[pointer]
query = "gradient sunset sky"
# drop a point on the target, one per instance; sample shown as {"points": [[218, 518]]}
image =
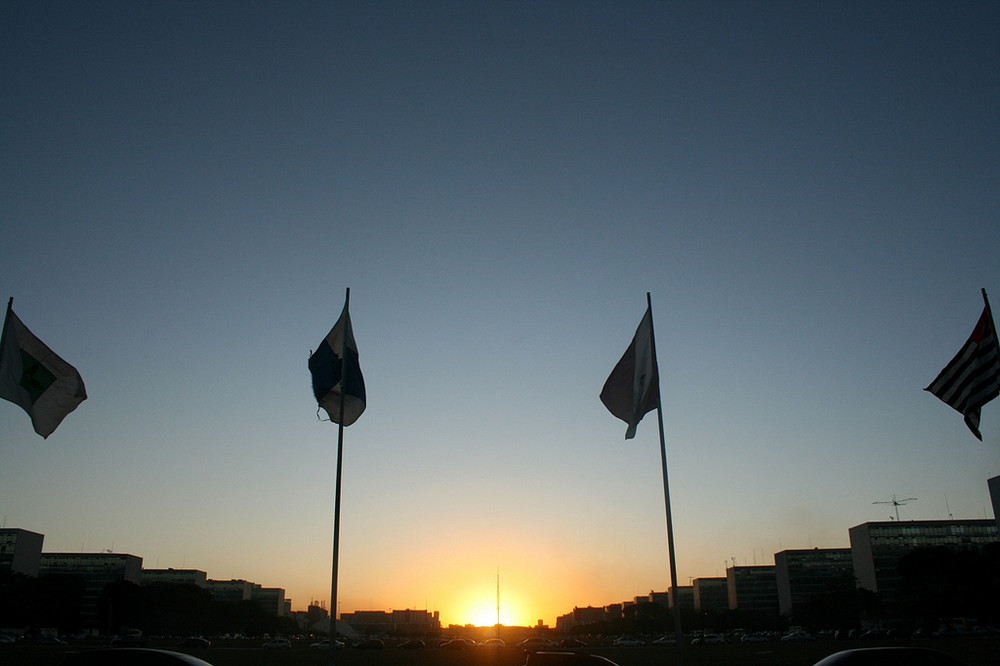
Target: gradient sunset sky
{"points": [[809, 190]]}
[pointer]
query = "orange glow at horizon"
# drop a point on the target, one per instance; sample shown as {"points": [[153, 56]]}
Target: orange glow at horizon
{"points": [[483, 615], [478, 607]]}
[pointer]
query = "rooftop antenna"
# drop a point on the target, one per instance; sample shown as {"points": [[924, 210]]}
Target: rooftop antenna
{"points": [[897, 503], [498, 602]]}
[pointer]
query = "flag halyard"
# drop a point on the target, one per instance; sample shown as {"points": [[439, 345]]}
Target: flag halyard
{"points": [[972, 378], [336, 370], [36, 378], [633, 388]]}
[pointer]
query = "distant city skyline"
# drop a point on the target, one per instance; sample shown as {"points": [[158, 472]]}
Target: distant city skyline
{"points": [[498, 609], [808, 190]]}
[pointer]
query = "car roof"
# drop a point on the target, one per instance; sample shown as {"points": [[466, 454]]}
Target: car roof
{"points": [[131, 657], [889, 656], [551, 658]]}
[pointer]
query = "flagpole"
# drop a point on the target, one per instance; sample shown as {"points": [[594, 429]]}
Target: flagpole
{"points": [[336, 503], [678, 634]]}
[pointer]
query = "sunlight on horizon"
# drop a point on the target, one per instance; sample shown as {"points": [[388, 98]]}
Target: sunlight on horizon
{"points": [[481, 611]]}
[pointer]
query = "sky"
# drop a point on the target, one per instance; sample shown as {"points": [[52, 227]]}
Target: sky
{"points": [[809, 191]]}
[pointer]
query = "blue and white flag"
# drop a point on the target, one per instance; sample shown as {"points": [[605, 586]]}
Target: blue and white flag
{"points": [[336, 370]]}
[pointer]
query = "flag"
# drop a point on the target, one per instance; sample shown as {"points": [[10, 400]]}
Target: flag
{"points": [[34, 377], [633, 388], [972, 378], [335, 369]]}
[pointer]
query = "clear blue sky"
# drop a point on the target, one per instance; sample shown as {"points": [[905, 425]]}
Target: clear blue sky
{"points": [[809, 190]]}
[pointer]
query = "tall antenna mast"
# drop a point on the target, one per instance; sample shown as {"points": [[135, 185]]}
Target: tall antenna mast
{"points": [[897, 503], [498, 602]]}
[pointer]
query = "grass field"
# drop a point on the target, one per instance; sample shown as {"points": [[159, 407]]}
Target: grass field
{"points": [[974, 651]]}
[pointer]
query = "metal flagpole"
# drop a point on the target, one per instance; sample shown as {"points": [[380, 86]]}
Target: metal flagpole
{"points": [[678, 634], [336, 501]]}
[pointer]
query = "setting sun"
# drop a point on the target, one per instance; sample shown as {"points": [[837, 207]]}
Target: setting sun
{"points": [[482, 612], [482, 615]]}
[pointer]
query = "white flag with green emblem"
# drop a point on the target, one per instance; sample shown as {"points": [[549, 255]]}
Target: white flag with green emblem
{"points": [[36, 378]]}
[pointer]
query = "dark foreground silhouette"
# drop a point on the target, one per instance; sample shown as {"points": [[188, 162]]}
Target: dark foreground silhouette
{"points": [[978, 651]]}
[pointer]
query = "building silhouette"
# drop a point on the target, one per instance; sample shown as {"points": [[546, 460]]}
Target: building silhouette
{"points": [[271, 600], [397, 622], [877, 548], [581, 617], [711, 594], [95, 571], [682, 596], [753, 588], [230, 591], [805, 575], [20, 551], [175, 577]]}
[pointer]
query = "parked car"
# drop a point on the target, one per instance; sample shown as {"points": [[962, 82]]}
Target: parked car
{"points": [[873, 635], [459, 644], [627, 641], [325, 645], [195, 642], [277, 644], [708, 639], [572, 643], [889, 656], [48, 639], [797, 637], [133, 640], [533, 644], [412, 644], [492, 644], [666, 640], [370, 644], [129, 657]]}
